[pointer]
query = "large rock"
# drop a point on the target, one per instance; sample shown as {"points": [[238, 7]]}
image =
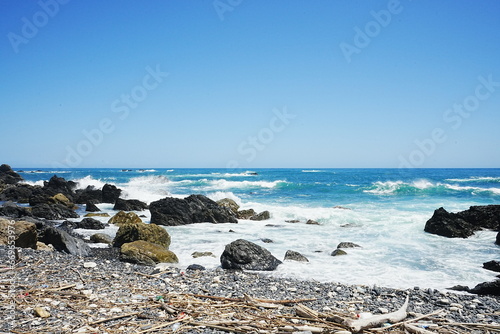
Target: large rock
{"points": [[291, 255], [141, 231], [86, 223], [130, 205], [243, 254], [246, 214], [91, 207], [122, 218], [101, 238], [264, 215], [53, 211], [483, 216], [347, 244], [63, 241], [58, 185], [230, 204], [13, 210], [146, 253], [90, 193], [24, 233], [193, 209], [110, 193], [487, 288], [464, 223], [19, 193], [62, 199], [8, 176], [449, 225], [492, 265]]}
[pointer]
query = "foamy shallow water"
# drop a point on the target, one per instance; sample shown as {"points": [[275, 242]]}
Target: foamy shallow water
{"points": [[386, 215]]}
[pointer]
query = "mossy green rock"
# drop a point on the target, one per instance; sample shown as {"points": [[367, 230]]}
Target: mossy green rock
{"points": [[123, 217], [146, 253], [141, 231]]}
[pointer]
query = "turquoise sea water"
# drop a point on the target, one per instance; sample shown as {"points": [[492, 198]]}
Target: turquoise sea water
{"points": [[383, 210]]}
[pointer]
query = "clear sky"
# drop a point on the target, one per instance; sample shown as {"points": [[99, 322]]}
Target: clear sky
{"points": [[250, 83]]}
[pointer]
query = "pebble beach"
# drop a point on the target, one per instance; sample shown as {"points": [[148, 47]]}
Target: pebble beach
{"points": [[55, 292]]}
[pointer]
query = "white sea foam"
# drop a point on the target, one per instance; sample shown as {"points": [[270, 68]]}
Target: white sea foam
{"points": [[476, 179], [146, 188], [89, 181], [311, 171]]}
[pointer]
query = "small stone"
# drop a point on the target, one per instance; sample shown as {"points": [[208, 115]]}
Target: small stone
{"points": [[115, 310], [41, 312], [338, 252], [383, 310], [89, 265], [454, 309], [444, 301], [342, 332], [456, 305]]}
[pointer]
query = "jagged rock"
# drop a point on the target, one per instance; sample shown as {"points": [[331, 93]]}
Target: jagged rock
{"points": [[266, 240], [202, 254], [487, 288], [146, 253], [498, 239], [91, 207], [449, 225], [492, 265], [19, 193], [312, 222], [130, 205], [346, 244], [193, 209], [122, 218], [90, 224], [246, 214], [464, 223], [8, 176], [243, 254], [13, 210], [230, 204], [63, 241], [110, 193], [25, 233], [58, 185], [482, 216], [291, 255], [90, 193], [53, 211], [264, 215], [141, 231], [101, 238], [338, 252]]}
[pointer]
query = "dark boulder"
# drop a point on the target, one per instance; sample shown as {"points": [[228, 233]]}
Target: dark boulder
{"points": [[264, 215], [129, 205], [19, 193], [195, 267], [90, 224], [483, 216], [498, 239], [8, 176], [13, 210], [338, 252], [63, 241], [90, 193], [243, 254], [193, 209], [53, 211], [492, 265], [449, 225], [110, 193], [487, 288], [91, 207], [58, 185], [346, 244], [291, 255]]}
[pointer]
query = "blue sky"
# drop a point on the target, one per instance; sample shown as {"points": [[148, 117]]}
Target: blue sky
{"points": [[250, 83]]}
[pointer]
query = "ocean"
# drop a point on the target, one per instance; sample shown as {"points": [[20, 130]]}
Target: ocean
{"points": [[382, 210]]}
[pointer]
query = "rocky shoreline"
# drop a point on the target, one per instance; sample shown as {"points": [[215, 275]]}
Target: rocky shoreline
{"points": [[55, 292]]}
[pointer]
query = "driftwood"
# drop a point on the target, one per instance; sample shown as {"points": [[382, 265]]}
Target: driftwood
{"points": [[376, 320]]}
